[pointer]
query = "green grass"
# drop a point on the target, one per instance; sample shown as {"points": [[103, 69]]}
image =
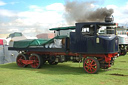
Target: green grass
{"points": [[64, 74]]}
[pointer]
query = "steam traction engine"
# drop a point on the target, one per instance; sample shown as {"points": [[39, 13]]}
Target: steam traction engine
{"points": [[75, 43], [123, 40]]}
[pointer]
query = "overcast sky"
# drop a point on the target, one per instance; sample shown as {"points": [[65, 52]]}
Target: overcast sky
{"points": [[32, 17]]}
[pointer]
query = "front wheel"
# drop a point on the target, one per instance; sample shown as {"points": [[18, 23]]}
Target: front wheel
{"points": [[91, 65]]}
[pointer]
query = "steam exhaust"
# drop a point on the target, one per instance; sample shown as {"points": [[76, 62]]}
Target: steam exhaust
{"points": [[77, 11]]}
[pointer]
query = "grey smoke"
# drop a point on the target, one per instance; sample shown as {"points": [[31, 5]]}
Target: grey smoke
{"points": [[77, 11]]}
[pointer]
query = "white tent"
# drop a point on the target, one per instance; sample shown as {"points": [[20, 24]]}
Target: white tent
{"points": [[7, 56]]}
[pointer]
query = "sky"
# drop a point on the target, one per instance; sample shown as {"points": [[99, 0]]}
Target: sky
{"points": [[32, 17]]}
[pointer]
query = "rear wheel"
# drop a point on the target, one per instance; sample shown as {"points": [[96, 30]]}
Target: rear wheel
{"points": [[19, 59], [37, 61], [91, 65]]}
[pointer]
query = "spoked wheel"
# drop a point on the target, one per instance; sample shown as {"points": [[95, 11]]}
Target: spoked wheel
{"points": [[91, 65], [37, 61], [19, 59]]}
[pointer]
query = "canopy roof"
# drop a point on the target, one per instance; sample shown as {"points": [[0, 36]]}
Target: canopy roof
{"points": [[63, 28], [86, 23]]}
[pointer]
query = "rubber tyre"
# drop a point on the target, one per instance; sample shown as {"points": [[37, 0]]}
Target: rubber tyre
{"points": [[19, 58], [91, 65], [38, 61]]}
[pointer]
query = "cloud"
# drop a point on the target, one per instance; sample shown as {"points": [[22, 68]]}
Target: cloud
{"points": [[39, 19], [13, 30], [125, 8], [2, 3], [12, 3], [35, 8], [120, 13], [7, 13], [33, 21], [56, 6], [38, 15]]}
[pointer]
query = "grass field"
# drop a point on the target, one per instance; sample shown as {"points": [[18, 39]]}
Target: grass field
{"points": [[64, 74]]}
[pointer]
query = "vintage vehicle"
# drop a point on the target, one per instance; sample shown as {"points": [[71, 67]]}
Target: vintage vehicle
{"points": [[123, 40], [81, 42]]}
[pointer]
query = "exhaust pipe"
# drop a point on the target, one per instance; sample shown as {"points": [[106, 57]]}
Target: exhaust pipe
{"points": [[109, 18]]}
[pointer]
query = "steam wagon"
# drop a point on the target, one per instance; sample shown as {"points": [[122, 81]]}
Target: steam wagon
{"points": [[123, 40], [81, 42]]}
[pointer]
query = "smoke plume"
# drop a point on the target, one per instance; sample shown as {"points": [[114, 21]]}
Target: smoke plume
{"points": [[77, 11]]}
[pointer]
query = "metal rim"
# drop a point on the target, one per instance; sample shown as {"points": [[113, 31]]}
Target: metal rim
{"points": [[90, 65], [19, 59], [36, 61]]}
